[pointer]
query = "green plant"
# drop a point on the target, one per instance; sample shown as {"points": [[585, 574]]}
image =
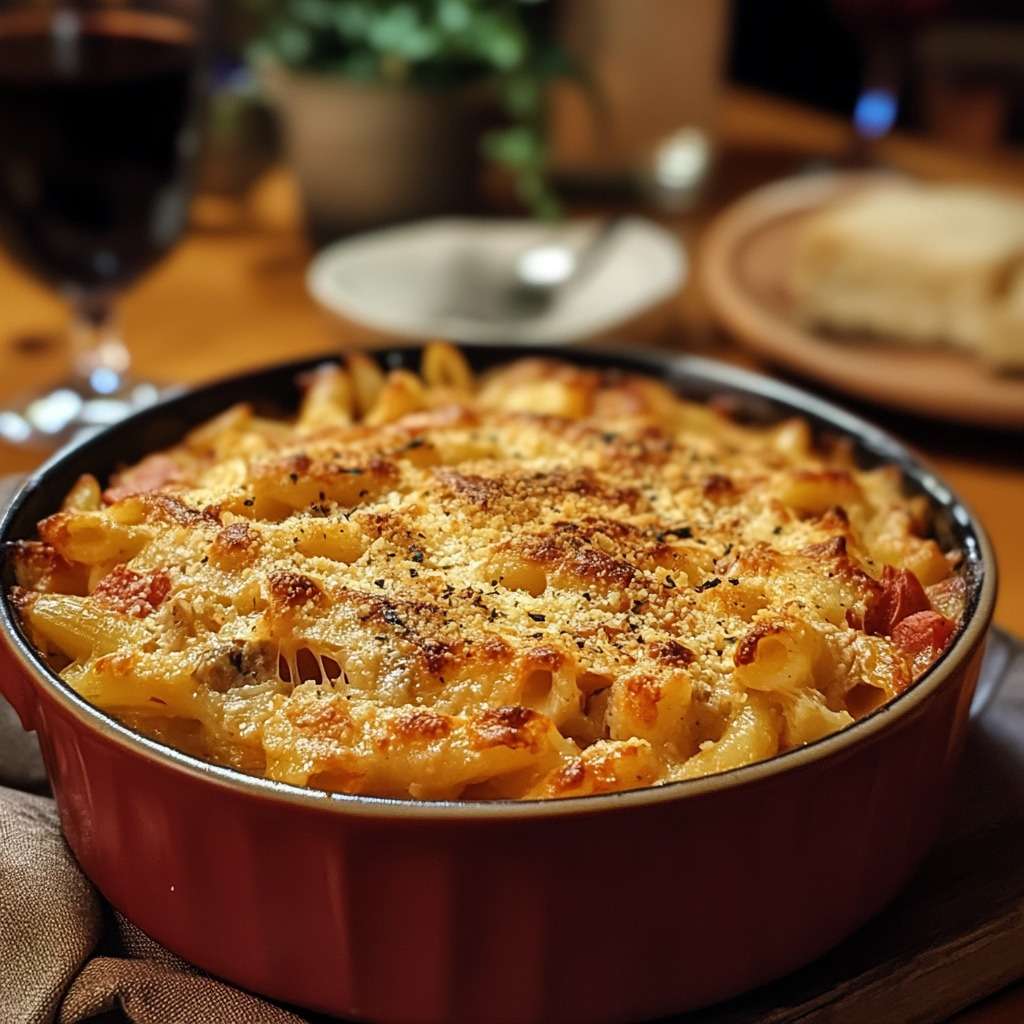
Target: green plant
{"points": [[434, 44]]}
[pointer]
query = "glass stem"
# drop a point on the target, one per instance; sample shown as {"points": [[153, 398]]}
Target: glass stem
{"points": [[96, 343]]}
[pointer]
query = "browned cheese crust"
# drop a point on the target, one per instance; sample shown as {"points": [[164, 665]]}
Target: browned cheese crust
{"points": [[547, 582]]}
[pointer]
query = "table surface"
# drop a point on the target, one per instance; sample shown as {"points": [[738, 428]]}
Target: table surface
{"points": [[232, 296]]}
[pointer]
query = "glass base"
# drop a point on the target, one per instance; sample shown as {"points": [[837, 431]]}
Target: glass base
{"points": [[83, 404]]}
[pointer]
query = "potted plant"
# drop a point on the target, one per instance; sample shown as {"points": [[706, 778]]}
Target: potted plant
{"points": [[388, 105]]}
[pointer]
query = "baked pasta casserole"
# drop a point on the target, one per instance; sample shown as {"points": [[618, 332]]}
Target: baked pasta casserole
{"points": [[547, 582]]}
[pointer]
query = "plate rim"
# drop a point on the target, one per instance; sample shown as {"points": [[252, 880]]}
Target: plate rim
{"points": [[319, 287], [753, 324]]}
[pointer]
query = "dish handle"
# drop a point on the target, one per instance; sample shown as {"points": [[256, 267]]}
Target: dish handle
{"points": [[1004, 658]]}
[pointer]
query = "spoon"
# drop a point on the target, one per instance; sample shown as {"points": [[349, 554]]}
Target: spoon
{"points": [[543, 272], [536, 279]]}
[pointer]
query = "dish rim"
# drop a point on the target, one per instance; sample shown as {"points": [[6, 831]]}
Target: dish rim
{"points": [[679, 368]]}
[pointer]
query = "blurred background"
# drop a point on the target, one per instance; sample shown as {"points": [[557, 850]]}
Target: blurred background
{"points": [[955, 66], [600, 85], [201, 182], [633, 73]]}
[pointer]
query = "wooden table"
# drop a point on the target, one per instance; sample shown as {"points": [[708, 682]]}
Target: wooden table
{"points": [[232, 296]]}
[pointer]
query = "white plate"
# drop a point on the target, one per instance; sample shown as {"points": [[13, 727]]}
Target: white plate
{"points": [[420, 280]]}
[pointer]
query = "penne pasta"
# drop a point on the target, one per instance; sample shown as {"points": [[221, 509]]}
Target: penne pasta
{"points": [[547, 582]]}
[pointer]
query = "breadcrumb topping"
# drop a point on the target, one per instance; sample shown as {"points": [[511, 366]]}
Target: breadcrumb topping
{"points": [[550, 582]]}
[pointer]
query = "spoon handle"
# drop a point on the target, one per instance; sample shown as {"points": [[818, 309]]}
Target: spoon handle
{"points": [[596, 249]]}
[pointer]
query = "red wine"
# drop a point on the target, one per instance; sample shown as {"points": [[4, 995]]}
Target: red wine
{"points": [[97, 140]]}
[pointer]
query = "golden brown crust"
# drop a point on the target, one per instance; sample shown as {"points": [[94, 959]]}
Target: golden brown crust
{"points": [[551, 582], [506, 727], [422, 724], [132, 593], [746, 649], [290, 590], [235, 545], [42, 567], [151, 473]]}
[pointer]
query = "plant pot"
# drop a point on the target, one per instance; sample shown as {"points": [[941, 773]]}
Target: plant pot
{"points": [[367, 155]]}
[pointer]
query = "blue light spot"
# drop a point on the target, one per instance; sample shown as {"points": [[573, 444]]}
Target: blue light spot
{"points": [[104, 381], [875, 113]]}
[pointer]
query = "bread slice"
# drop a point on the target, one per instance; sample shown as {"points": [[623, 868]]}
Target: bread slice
{"points": [[1004, 339], [919, 264]]}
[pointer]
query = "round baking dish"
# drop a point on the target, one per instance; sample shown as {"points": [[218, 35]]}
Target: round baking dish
{"points": [[604, 908]]}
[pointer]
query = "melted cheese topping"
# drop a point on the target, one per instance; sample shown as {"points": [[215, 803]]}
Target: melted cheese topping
{"points": [[552, 582]]}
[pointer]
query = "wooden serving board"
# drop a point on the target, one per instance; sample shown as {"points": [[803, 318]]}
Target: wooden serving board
{"points": [[956, 933], [744, 265]]}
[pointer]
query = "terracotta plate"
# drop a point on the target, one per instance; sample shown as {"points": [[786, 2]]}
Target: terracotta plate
{"points": [[744, 268]]}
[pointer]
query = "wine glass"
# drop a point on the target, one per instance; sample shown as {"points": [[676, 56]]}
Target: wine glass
{"points": [[100, 105]]}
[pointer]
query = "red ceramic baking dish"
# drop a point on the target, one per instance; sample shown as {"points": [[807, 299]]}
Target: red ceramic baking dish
{"points": [[603, 908]]}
